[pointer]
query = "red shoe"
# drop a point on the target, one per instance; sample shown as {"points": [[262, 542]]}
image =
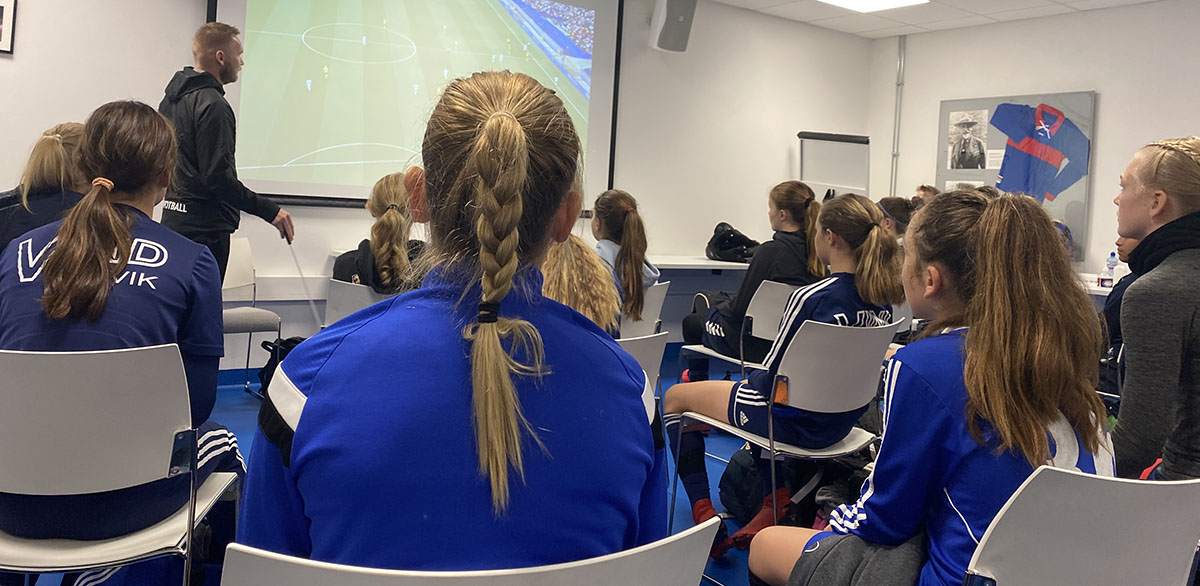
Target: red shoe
{"points": [[762, 520], [683, 376]]}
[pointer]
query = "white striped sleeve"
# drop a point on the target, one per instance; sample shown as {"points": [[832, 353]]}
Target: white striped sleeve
{"points": [[794, 314]]}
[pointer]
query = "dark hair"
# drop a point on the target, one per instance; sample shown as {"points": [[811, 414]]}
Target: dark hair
{"points": [[1034, 342], [501, 154], [131, 145], [928, 189], [899, 210], [799, 201], [621, 222]]}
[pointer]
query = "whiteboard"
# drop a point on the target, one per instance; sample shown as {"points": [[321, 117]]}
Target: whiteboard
{"points": [[834, 161]]}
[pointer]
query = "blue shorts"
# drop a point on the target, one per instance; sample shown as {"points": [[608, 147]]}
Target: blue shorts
{"points": [[800, 428]]}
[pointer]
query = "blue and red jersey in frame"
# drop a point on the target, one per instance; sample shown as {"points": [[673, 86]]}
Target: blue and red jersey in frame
{"points": [[1040, 140]]}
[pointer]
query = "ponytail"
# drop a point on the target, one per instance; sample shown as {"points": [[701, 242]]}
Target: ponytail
{"points": [[389, 234], [53, 162], [1034, 342], [812, 211], [877, 272], [498, 167], [81, 270], [621, 222]]}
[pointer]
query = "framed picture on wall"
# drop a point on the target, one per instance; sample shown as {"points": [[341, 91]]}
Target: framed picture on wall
{"points": [[8, 17]]}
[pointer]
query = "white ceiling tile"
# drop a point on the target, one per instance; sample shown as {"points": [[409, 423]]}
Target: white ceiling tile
{"points": [[807, 10], [907, 29], [1025, 13], [856, 23], [1094, 4], [958, 23], [923, 13], [753, 4], [990, 6]]}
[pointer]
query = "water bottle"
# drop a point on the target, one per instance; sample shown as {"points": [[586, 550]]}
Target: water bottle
{"points": [[1110, 268]]}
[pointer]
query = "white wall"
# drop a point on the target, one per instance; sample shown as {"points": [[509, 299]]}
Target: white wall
{"points": [[703, 135], [1140, 60]]}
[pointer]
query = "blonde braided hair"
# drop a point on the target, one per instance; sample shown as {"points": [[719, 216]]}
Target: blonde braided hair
{"points": [[501, 154], [1173, 165]]}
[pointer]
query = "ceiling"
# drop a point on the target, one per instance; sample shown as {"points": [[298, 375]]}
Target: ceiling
{"points": [[934, 16]]}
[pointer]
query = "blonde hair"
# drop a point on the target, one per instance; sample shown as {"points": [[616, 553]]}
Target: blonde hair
{"points": [[857, 220], [1034, 343], [388, 204], [212, 37], [126, 145], [622, 223], [54, 161], [798, 200], [1173, 165], [501, 154], [572, 270]]}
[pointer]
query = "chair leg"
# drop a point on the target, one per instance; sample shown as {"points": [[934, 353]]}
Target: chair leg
{"points": [[246, 371], [188, 552], [674, 478], [771, 442]]}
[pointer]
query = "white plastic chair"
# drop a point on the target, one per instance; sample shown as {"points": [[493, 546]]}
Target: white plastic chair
{"points": [[762, 321], [648, 351], [346, 298], [240, 284], [90, 422], [651, 310], [1068, 527], [825, 369], [677, 560]]}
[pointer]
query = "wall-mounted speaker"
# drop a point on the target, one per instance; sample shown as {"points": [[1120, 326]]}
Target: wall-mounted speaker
{"points": [[671, 24]]}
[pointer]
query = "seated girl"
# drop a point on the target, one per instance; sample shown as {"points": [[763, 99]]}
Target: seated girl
{"points": [[51, 184], [471, 423], [384, 261], [863, 285], [789, 257], [108, 277], [1003, 384], [621, 235]]}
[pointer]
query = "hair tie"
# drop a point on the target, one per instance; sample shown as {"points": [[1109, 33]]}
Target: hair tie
{"points": [[102, 182], [393, 206], [504, 113], [627, 208], [489, 312]]}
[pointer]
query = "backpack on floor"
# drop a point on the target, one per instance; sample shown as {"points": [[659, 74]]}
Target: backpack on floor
{"points": [[270, 421]]}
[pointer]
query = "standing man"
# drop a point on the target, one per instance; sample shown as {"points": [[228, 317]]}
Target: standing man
{"points": [[204, 204]]}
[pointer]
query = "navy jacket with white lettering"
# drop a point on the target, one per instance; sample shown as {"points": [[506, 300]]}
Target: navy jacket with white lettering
{"points": [[170, 292]]}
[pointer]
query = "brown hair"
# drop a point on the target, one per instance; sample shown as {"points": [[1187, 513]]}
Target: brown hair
{"points": [[899, 210], [1173, 165], [501, 154], [1034, 342], [856, 220], [131, 145], [212, 37], [929, 190], [621, 222], [54, 161], [572, 270], [388, 204], [798, 200]]}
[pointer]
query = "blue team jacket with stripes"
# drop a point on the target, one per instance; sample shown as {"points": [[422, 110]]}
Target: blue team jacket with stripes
{"points": [[383, 470], [930, 473]]}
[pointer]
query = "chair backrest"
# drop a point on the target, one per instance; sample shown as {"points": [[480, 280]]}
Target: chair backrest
{"points": [[346, 298], [832, 368], [766, 308], [83, 422], [239, 272], [648, 351], [1067, 527], [903, 316], [651, 309], [677, 560]]}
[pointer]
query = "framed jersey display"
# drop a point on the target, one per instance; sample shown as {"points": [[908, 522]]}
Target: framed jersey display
{"points": [[1039, 145]]}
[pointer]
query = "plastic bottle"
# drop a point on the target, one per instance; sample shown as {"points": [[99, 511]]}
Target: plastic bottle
{"points": [[1110, 267]]}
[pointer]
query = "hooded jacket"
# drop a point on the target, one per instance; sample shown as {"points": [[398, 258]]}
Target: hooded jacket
{"points": [[206, 195], [358, 266], [45, 206], [783, 259]]}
